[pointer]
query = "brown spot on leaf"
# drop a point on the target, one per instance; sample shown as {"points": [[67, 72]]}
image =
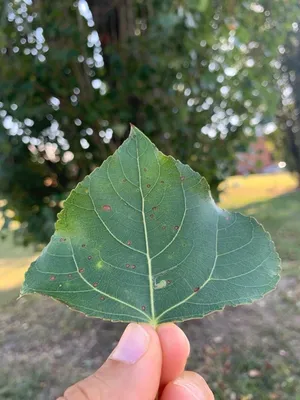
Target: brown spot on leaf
{"points": [[102, 298], [196, 289], [106, 207], [143, 308], [127, 265], [81, 270], [129, 243], [148, 185], [95, 284], [52, 278], [182, 178], [133, 267], [176, 227], [89, 257]]}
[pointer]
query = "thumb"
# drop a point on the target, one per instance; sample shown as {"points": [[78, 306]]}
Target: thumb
{"points": [[131, 372]]}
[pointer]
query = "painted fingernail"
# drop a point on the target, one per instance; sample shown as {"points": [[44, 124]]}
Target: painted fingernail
{"points": [[132, 345], [191, 389]]}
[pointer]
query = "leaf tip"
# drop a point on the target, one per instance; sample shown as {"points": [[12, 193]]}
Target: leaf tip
{"points": [[134, 131]]}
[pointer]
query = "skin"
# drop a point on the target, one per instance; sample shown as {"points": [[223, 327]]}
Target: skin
{"points": [[145, 364]]}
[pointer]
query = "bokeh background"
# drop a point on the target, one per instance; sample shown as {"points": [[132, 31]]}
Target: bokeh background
{"points": [[215, 83]]}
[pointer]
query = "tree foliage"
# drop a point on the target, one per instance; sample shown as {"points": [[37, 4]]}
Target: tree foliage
{"points": [[197, 76]]}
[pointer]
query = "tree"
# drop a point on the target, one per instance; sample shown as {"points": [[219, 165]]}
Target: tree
{"points": [[196, 76], [289, 111]]}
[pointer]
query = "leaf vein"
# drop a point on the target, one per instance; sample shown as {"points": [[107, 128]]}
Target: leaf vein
{"points": [[107, 228], [100, 291]]}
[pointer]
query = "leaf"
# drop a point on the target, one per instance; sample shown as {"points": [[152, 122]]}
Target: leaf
{"points": [[202, 5], [141, 239]]}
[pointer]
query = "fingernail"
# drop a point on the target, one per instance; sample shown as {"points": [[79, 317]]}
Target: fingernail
{"points": [[191, 389], [132, 345]]}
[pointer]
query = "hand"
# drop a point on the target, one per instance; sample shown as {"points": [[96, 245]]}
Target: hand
{"points": [[146, 361]]}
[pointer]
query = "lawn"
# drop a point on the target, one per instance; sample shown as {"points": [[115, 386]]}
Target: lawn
{"points": [[14, 262], [248, 352], [238, 191]]}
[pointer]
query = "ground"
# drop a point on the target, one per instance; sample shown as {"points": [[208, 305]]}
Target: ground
{"points": [[247, 352]]}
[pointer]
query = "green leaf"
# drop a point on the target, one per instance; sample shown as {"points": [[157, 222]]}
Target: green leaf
{"points": [[202, 5], [141, 239], [199, 5]]}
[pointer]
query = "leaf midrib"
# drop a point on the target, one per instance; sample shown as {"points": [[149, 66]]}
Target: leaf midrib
{"points": [[204, 284], [149, 261]]}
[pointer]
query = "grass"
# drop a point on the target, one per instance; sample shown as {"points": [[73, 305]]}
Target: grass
{"points": [[280, 216], [245, 353], [239, 191], [14, 262]]}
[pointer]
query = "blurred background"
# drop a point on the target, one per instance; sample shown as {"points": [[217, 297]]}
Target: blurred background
{"points": [[214, 83]]}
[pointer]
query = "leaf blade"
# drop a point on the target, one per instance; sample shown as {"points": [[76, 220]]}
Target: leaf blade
{"points": [[141, 239]]}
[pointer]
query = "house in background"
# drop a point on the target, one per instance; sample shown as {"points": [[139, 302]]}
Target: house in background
{"points": [[257, 159]]}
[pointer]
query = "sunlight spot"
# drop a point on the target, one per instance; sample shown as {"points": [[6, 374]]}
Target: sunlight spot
{"points": [[161, 285]]}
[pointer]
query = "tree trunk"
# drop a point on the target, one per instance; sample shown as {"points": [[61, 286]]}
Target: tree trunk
{"points": [[298, 176], [115, 24], [294, 151]]}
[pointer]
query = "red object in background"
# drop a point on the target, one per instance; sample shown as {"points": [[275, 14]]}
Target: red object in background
{"points": [[255, 159]]}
